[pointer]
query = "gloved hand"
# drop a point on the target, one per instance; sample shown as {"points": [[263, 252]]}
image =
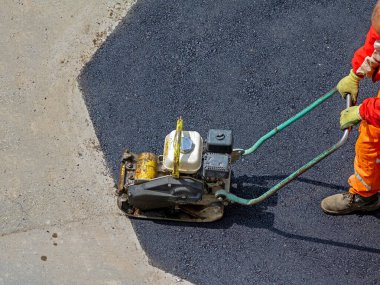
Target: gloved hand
{"points": [[350, 117], [349, 85]]}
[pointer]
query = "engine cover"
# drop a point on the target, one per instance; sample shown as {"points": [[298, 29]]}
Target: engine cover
{"points": [[164, 192], [190, 159], [219, 141], [216, 165]]}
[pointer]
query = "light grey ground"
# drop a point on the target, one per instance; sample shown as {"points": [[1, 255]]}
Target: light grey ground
{"points": [[58, 219]]}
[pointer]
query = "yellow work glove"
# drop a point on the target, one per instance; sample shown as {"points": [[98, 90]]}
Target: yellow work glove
{"points": [[349, 85], [350, 117]]}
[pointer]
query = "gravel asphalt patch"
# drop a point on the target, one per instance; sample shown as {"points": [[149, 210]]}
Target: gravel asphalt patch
{"points": [[245, 66]]}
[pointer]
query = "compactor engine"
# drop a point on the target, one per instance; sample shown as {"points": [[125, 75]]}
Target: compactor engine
{"points": [[181, 183]]}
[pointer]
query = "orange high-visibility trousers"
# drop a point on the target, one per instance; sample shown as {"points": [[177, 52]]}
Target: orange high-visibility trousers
{"points": [[366, 179]]}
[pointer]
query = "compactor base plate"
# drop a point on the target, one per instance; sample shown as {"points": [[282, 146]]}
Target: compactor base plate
{"points": [[207, 210]]}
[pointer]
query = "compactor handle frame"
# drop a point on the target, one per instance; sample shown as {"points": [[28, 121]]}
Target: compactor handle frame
{"points": [[224, 195]]}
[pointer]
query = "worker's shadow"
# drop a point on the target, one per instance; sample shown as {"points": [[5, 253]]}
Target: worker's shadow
{"points": [[253, 216], [258, 217], [254, 186]]}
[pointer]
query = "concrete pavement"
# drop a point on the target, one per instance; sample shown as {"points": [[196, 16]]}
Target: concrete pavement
{"points": [[59, 223]]}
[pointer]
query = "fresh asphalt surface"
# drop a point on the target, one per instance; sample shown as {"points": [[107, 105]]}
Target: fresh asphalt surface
{"points": [[246, 66]]}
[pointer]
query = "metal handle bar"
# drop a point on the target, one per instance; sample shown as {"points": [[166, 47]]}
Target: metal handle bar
{"points": [[250, 202]]}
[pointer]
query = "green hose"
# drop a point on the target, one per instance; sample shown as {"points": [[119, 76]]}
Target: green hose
{"points": [[222, 194], [287, 123], [250, 202]]}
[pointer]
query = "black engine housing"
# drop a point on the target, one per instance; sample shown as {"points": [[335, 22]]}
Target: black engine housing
{"points": [[165, 192]]}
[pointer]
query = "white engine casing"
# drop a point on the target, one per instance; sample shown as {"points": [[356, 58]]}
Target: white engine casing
{"points": [[190, 160]]}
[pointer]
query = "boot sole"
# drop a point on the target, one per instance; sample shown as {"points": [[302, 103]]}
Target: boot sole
{"points": [[363, 209]]}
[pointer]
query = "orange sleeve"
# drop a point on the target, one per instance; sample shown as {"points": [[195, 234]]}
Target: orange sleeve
{"points": [[366, 50], [370, 111]]}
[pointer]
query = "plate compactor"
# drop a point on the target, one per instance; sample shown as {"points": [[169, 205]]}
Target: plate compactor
{"points": [[191, 180]]}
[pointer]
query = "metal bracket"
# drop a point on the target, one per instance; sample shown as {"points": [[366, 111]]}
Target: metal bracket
{"points": [[236, 155]]}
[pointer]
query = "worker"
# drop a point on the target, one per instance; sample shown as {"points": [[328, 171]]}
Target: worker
{"points": [[365, 182]]}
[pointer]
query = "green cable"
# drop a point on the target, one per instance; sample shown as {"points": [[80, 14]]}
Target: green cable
{"points": [[287, 123], [222, 194], [250, 202]]}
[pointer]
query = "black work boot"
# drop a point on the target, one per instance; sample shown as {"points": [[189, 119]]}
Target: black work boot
{"points": [[345, 203]]}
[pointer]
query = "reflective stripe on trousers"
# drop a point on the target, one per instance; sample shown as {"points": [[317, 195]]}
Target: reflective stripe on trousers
{"points": [[369, 188]]}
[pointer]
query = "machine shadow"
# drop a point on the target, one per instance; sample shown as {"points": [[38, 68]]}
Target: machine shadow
{"points": [[258, 216], [250, 187]]}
